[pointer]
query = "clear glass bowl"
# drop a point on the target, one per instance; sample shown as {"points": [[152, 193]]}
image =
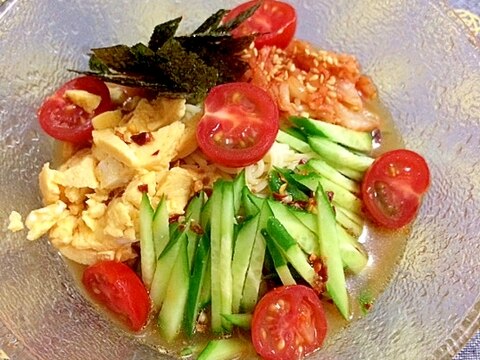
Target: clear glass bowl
{"points": [[428, 74]]}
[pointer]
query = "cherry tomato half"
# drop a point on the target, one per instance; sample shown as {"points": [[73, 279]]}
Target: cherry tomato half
{"points": [[239, 125], [288, 323], [63, 120], [117, 287], [393, 187], [275, 20]]}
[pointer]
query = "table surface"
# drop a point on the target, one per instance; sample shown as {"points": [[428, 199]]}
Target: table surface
{"points": [[472, 350]]}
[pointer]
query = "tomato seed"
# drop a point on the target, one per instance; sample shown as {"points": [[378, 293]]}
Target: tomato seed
{"points": [[281, 344]]}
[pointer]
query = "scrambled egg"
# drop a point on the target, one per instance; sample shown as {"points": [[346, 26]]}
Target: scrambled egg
{"points": [[91, 202]]}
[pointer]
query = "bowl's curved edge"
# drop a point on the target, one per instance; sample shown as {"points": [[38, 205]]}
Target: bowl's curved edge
{"points": [[471, 323]]}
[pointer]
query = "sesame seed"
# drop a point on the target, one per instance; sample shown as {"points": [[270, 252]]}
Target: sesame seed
{"points": [[305, 114], [322, 78], [332, 94], [311, 88], [332, 80], [316, 63], [292, 67]]}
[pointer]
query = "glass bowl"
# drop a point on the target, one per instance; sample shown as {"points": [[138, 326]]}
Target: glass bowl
{"points": [[427, 71]]}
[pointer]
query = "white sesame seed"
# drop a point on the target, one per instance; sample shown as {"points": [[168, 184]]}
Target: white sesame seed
{"points": [[311, 88], [332, 80]]}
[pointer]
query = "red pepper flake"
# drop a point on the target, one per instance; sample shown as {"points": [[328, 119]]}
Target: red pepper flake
{"points": [[142, 138], [208, 191], [330, 195], [156, 153], [279, 197], [196, 228], [377, 136], [320, 268], [143, 188], [173, 218]]}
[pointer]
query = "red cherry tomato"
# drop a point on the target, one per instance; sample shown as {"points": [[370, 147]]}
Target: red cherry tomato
{"points": [[288, 323], [63, 120], [275, 20], [239, 125], [393, 187], [117, 286]]}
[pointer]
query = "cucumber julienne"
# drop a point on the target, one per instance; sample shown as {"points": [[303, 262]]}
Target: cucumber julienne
{"points": [[218, 256]]}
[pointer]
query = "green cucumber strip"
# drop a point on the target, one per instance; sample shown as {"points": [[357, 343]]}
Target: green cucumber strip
{"points": [[193, 214], [197, 277], [241, 258], [206, 290], [293, 142], [254, 274], [224, 349], [301, 233], [330, 252], [341, 197], [358, 140], [216, 255], [356, 218], [332, 174], [249, 204], [241, 320], [170, 318], [353, 256], [238, 184], [296, 132], [227, 215], [160, 227], [309, 220], [206, 215], [287, 244], [164, 267], [147, 246], [347, 222], [355, 175], [352, 253], [279, 260], [337, 154]]}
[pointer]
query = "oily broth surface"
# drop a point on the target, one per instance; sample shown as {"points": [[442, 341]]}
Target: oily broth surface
{"points": [[385, 248]]}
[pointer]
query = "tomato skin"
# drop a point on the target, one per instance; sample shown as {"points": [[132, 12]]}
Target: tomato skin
{"points": [[275, 20], [65, 121], [393, 187], [288, 323], [239, 124], [117, 287]]}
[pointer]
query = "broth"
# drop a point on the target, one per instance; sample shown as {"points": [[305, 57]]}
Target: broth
{"points": [[384, 248]]}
